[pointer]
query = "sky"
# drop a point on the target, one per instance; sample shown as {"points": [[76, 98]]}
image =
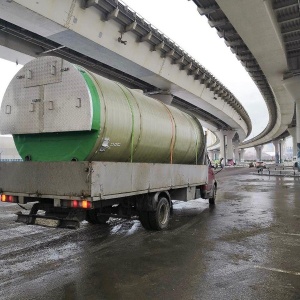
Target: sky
{"points": [[181, 22], [7, 72]]}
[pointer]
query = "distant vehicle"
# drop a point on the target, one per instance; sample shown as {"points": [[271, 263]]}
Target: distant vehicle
{"points": [[260, 164], [295, 163]]}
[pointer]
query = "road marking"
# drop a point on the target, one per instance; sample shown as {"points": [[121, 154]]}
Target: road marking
{"points": [[278, 270], [294, 234]]}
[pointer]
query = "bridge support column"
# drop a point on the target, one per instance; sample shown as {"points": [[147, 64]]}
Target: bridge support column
{"points": [[216, 154], [276, 146], [258, 150], [221, 137], [292, 132], [236, 152], [292, 85], [298, 132], [242, 152], [230, 135], [211, 154], [282, 148]]}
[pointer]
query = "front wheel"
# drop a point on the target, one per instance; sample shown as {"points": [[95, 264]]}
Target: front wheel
{"points": [[212, 199]]}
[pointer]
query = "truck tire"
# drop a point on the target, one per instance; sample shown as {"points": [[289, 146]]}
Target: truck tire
{"points": [[93, 218], [159, 219], [212, 200], [144, 219]]}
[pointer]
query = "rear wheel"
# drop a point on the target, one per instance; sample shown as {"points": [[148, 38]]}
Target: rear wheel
{"points": [[159, 219], [144, 218]]}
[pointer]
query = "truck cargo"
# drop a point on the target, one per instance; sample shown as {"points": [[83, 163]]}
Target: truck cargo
{"points": [[93, 149]]}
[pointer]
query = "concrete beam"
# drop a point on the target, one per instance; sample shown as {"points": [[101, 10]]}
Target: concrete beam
{"points": [[130, 26], [169, 53], [159, 46], [113, 14], [208, 10], [165, 98], [188, 66], [146, 37], [179, 60], [195, 72], [218, 23]]}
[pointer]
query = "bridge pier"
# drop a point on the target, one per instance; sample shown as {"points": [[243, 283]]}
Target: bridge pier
{"points": [[221, 137], [241, 153], [292, 85], [277, 151], [236, 152], [216, 154], [211, 155], [298, 132], [230, 135], [227, 155], [282, 150], [292, 132], [258, 150]]}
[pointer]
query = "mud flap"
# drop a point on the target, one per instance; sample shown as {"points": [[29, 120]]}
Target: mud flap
{"points": [[33, 219]]}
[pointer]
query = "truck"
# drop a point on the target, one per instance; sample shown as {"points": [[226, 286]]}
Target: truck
{"points": [[93, 149]]}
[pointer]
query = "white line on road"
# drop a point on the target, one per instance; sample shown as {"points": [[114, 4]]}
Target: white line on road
{"points": [[294, 234], [278, 270]]}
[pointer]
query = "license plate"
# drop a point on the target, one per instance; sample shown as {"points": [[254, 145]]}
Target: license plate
{"points": [[46, 222]]}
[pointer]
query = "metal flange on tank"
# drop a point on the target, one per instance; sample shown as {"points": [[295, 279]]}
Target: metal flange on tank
{"points": [[58, 111]]}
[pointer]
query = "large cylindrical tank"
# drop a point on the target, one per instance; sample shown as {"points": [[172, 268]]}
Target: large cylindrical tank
{"points": [[57, 111]]}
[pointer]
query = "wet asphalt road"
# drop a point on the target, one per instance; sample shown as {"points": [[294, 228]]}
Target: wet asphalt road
{"points": [[246, 247]]}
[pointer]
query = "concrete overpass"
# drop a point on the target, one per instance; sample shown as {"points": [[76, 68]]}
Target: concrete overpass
{"points": [[109, 38], [265, 36]]}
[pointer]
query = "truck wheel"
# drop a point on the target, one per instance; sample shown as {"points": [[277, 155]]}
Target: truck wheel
{"points": [[144, 218], [212, 200], [93, 218], [159, 219], [171, 208]]}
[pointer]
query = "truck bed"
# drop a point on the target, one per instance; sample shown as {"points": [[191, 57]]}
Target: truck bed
{"points": [[96, 180]]}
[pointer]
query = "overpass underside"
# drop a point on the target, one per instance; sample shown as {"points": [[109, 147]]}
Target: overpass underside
{"points": [[105, 43], [264, 37]]}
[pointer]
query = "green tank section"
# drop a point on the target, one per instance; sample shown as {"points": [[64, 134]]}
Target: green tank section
{"points": [[79, 115]]}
